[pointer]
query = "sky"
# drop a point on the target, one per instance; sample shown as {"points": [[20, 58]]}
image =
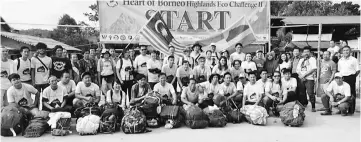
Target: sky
{"points": [[48, 12]]}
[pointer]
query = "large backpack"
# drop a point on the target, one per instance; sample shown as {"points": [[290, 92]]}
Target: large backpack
{"points": [[36, 127], [293, 114], [134, 121], [11, 118], [171, 115], [88, 125], [216, 117], [149, 108], [195, 117], [111, 118], [254, 114]]}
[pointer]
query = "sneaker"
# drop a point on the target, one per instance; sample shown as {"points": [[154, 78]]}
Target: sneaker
{"points": [[313, 110], [326, 113], [321, 109]]}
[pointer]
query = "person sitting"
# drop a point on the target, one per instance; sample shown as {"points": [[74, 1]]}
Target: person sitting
{"points": [[69, 85], [273, 92], [201, 72], [118, 96], [338, 93], [165, 90], [190, 94], [86, 91], [253, 91], [55, 97], [229, 88], [212, 86], [242, 81], [289, 85], [263, 79], [139, 90], [19, 95]]}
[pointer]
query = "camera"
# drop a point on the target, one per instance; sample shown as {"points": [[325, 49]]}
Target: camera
{"points": [[128, 68]]}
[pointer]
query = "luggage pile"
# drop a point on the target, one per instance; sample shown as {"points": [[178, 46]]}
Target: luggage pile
{"points": [[292, 114]]}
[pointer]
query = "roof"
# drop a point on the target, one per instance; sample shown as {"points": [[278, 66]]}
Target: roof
{"points": [[304, 20], [5, 26], [32, 40]]}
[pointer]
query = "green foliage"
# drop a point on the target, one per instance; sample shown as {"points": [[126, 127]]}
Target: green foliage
{"points": [[313, 8]]}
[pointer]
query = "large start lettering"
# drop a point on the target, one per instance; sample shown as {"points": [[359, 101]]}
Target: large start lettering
{"points": [[185, 24]]}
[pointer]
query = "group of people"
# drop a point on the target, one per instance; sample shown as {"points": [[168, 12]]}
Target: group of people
{"points": [[195, 78]]}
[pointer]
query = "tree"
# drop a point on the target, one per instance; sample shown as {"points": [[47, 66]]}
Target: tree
{"points": [[313, 8], [69, 35], [93, 16]]}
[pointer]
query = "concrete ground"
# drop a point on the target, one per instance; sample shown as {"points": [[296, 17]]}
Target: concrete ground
{"points": [[318, 128]]}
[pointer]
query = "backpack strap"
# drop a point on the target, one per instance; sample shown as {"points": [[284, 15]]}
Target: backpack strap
{"points": [[42, 62], [18, 66], [111, 95]]}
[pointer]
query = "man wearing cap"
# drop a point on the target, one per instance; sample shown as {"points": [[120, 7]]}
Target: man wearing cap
{"points": [[140, 62], [338, 94], [215, 55], [238, 55], [106, 72], [40, 67], [348, 66], [86, 91], [259, 60], [60, 64]]}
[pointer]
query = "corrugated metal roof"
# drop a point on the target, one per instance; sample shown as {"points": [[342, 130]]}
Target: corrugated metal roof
{"points": [[32, 40], [304, 20]]}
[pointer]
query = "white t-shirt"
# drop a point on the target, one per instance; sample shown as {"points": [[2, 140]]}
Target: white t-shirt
{"points": [[169, 71], [305, 66], [240, 86], [263, 84], [348, 66], [249, 65], [122, 99], [176, 60], [198, 71], [70, 87], [210, 88], [231, 88], [284, 65], [24, 69], [181, 72], [107, 67], [288, 85], [189, 59], [273, 88], [220, 72], [140, 63], [7, 68], [344, 89], [41, 73], [250, 89], [153, 77], [237, 56], [15, 95], [52, 95], [196, 56], [167, 89], [333, 50], [125, 75], [93, 89]]}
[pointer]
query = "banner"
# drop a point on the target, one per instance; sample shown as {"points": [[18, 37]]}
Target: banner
{"points": [[188, 21]]}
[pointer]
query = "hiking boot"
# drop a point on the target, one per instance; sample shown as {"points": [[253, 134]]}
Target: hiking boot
{"points": [[313, 110], [321, 109], [326, 113]]}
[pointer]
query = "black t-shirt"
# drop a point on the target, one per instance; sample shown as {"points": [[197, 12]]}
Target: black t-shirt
{"points": [[59, 66]]}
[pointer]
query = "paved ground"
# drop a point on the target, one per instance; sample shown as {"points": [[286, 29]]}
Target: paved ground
{"points": [[318, 128]]}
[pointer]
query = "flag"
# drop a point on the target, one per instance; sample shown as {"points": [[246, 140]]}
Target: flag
{"points": [[159, 36], [239, 32]]}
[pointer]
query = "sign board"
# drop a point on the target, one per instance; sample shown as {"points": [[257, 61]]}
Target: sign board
{"points": [[188, 21]]}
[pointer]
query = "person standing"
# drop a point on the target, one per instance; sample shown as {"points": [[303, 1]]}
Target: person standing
{"points": [[125, 70], [59, 64], [106, 72], [170, 70], [175, 59], [259, 60], [348, 66], [187, 57], [183, 75], [154, 67], [40, 68], [305, 70], [88, 64], [333, 49], [22, 65], [209, 61], [238, 55], [141, 60], [271, 63], [283, 63], [75, 66], [197, 53], [294, 61], [7, 68], [248, 65], [327, 72], [214, 54], [113, 55]]}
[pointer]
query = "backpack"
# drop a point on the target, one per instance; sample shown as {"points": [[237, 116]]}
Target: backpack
{"points": [[134, 121], [233, 114], [293, 114], [195, 118], [149, 108], [88, 125], [36, 127], [111, 118], [254, 114], [216, 117], [11, 118], [171, 115]]}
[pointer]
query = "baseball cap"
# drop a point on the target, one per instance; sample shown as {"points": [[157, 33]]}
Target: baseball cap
{"points": [[242, 75], [338, 74], [213, 44], [259, 51]]}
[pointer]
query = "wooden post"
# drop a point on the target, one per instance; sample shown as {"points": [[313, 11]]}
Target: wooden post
{"points": [[318, 59]]}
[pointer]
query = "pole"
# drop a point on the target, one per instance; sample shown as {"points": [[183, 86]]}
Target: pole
{"points": [[318, 57]]}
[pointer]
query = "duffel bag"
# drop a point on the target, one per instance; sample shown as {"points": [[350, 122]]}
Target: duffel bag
{"points": [[254, 114], [36, 128], [293, 114], [88, 125], [196, 118], [216, 117], [134, 121]]}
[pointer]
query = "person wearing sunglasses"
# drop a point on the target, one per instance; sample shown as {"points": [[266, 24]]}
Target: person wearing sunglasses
{"points": [[273, 91]]}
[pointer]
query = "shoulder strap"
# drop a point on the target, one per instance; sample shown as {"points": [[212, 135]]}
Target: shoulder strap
{"points": [[18, 66], [42, 63], [111, 95]]}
